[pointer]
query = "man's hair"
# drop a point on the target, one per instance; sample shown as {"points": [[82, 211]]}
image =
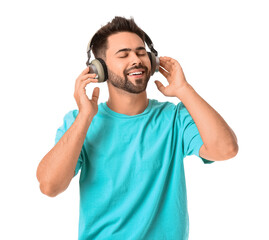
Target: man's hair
{"points": [[118, 24]]}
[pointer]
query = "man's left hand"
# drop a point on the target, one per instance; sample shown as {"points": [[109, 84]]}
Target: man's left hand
{"points": [[172, 71]]}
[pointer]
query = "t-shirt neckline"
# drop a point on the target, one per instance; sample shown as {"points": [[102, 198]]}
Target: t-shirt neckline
{"points": [[120, 115]]}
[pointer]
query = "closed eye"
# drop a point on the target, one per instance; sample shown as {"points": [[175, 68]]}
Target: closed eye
{"points": [[123, 56], [141, 54], [138, 54]]}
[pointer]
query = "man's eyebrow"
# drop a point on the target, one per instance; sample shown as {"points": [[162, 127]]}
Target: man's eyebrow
{"points": [[129, 49]]}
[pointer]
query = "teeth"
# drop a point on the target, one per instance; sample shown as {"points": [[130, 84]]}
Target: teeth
{"points": [[135, 73]]}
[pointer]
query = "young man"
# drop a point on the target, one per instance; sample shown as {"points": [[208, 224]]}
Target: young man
{"points": [[130, 149]]}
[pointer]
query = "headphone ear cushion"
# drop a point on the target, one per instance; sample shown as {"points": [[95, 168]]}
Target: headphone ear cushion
{"points": [[101, 69], [155, 62]]}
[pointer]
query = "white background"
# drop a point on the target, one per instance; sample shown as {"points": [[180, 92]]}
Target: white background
{"points": [[222, 47]]}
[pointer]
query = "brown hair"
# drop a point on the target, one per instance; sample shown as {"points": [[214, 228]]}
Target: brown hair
{"points": [[118, 24]]}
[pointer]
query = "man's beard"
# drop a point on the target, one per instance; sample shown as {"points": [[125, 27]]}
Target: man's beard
{"points": [[127, 85]]}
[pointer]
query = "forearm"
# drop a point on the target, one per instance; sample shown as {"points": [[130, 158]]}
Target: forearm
{"points": [[214, 131], [57, 168]]}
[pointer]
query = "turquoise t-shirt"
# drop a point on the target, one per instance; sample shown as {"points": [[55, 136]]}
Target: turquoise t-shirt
{"points": [[132, 181]]}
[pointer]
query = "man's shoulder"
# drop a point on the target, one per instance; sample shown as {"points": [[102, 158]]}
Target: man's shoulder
{"points": [[71, 115], [164, 111], [164, 106]]}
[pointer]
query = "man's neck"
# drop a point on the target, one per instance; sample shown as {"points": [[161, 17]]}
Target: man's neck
{"points": [[127, 103]]}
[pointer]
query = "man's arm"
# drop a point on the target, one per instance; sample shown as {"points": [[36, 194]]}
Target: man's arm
{"points": [[220, 142], [57, 168]]}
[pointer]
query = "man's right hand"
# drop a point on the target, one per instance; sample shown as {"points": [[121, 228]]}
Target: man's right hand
{"points": [[56, 169], [85, 105]]}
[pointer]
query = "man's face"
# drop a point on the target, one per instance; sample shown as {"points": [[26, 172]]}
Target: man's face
{"points": [[127, 62]]}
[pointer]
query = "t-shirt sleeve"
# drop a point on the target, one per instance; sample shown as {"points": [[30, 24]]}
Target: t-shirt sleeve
{"points": [[190, 136], [68, 120]]}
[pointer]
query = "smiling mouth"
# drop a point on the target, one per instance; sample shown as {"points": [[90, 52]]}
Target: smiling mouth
{"points": [[136, 74]]}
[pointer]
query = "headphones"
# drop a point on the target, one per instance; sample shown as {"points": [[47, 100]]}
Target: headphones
{"points": [[99, 67]]}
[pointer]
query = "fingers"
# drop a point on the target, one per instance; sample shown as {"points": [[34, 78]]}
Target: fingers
{"points": [[80, 86], [159, 85], [87, 76], [84, 103], [95, 94], [165, 62], [85, 71], [164, 72], [87, 81], [168, 59], [168, 63]]}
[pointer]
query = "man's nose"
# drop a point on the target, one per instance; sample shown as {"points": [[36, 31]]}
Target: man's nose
{"points": [[135, 59]]}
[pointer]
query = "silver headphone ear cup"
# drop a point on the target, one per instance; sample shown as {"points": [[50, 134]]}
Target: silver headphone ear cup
{"points": [[99, 70], [157, 59], [155, 62]]}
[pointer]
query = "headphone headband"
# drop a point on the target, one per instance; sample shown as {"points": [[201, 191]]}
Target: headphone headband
{"points": [[150, 44], [147, 40]]}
